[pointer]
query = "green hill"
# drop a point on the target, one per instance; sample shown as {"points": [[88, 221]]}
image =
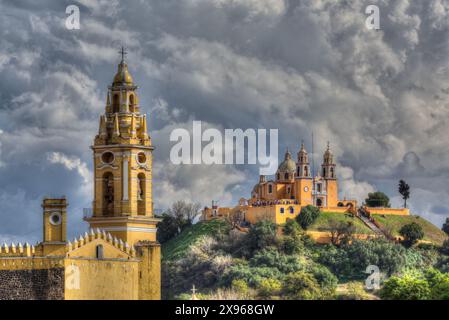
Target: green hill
{"points": [[394, 223], [176, 247], [322, 223]]}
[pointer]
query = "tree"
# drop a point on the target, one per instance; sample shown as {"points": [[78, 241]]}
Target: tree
{"points": [[446, 226], [411, 232], [377, 199], [404, 190], [176, 219], [167, 228], [262, 235], [307, 216], [445, 247], [235, 218], [341, 231], [184, 211]]}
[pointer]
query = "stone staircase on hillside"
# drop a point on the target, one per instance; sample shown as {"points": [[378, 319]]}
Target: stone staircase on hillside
{"points": [[362, 216]]}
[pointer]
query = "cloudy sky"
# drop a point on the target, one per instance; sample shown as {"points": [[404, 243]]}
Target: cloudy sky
{"points": [[380, 97]]}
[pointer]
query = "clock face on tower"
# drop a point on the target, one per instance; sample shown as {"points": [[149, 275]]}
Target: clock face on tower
{"points": [[55, 218], [306, 189]]}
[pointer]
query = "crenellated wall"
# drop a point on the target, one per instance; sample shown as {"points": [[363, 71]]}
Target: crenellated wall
{"points": [[17, 250]]}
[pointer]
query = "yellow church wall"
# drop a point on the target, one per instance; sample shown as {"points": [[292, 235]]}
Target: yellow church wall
{"points": [[389, 211], [272, 213], [101, 279], [89, 250], [335, 209], [282, 218], [149, 271], [323, 237], [256, 214], [332, 193]]}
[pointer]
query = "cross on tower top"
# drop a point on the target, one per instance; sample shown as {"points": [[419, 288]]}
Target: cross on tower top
{"points": [[123, 52]]}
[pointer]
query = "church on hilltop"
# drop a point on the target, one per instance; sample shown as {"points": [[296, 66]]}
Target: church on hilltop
{"points": [[119, 257], [295, 186]]}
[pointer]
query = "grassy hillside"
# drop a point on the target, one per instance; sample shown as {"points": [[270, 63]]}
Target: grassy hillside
{"points": [[323, 221], [394, 224], [176, 247]]}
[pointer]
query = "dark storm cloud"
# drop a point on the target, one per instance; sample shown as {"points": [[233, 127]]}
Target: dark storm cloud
{"points": [[381, 98]]}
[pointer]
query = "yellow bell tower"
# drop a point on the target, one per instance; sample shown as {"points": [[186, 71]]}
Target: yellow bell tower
{"points": [[123, 204]]}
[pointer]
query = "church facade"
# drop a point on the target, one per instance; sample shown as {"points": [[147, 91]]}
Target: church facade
{"points": [[294, 187], [118, 258]]}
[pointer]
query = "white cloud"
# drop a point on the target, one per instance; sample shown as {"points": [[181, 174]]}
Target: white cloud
{"points": [[74, 163], [296, 66]]}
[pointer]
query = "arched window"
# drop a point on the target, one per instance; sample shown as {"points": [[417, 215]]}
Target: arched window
{"points": [[291, 210], [131, 103], [286, 176], [319, 202], [99, 252], [324, 172], [270, 188], [115, 103], [281, 210], [278, 176], [298, 172], [332, 172], [306, 171], [141, 189], [108, 194], [340, 204]]}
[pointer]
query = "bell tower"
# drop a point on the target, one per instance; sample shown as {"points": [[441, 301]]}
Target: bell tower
{"points": [[122, 150], [329, 175], [303, 179]]}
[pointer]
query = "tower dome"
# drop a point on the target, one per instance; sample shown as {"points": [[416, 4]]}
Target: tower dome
{"points": [[123, 76], [288, 165]]}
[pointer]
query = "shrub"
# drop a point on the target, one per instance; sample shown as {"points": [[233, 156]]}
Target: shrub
{"points": [[355, 291], [307, 216], [410, 286], [252, 276], [262, 234], [292, 245], [326, 279], [350, 261], [272, 258], [292, 228], [411, 232], [240, 286], [301, 286], [445, 247], [438, 283], [269, 287]]}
